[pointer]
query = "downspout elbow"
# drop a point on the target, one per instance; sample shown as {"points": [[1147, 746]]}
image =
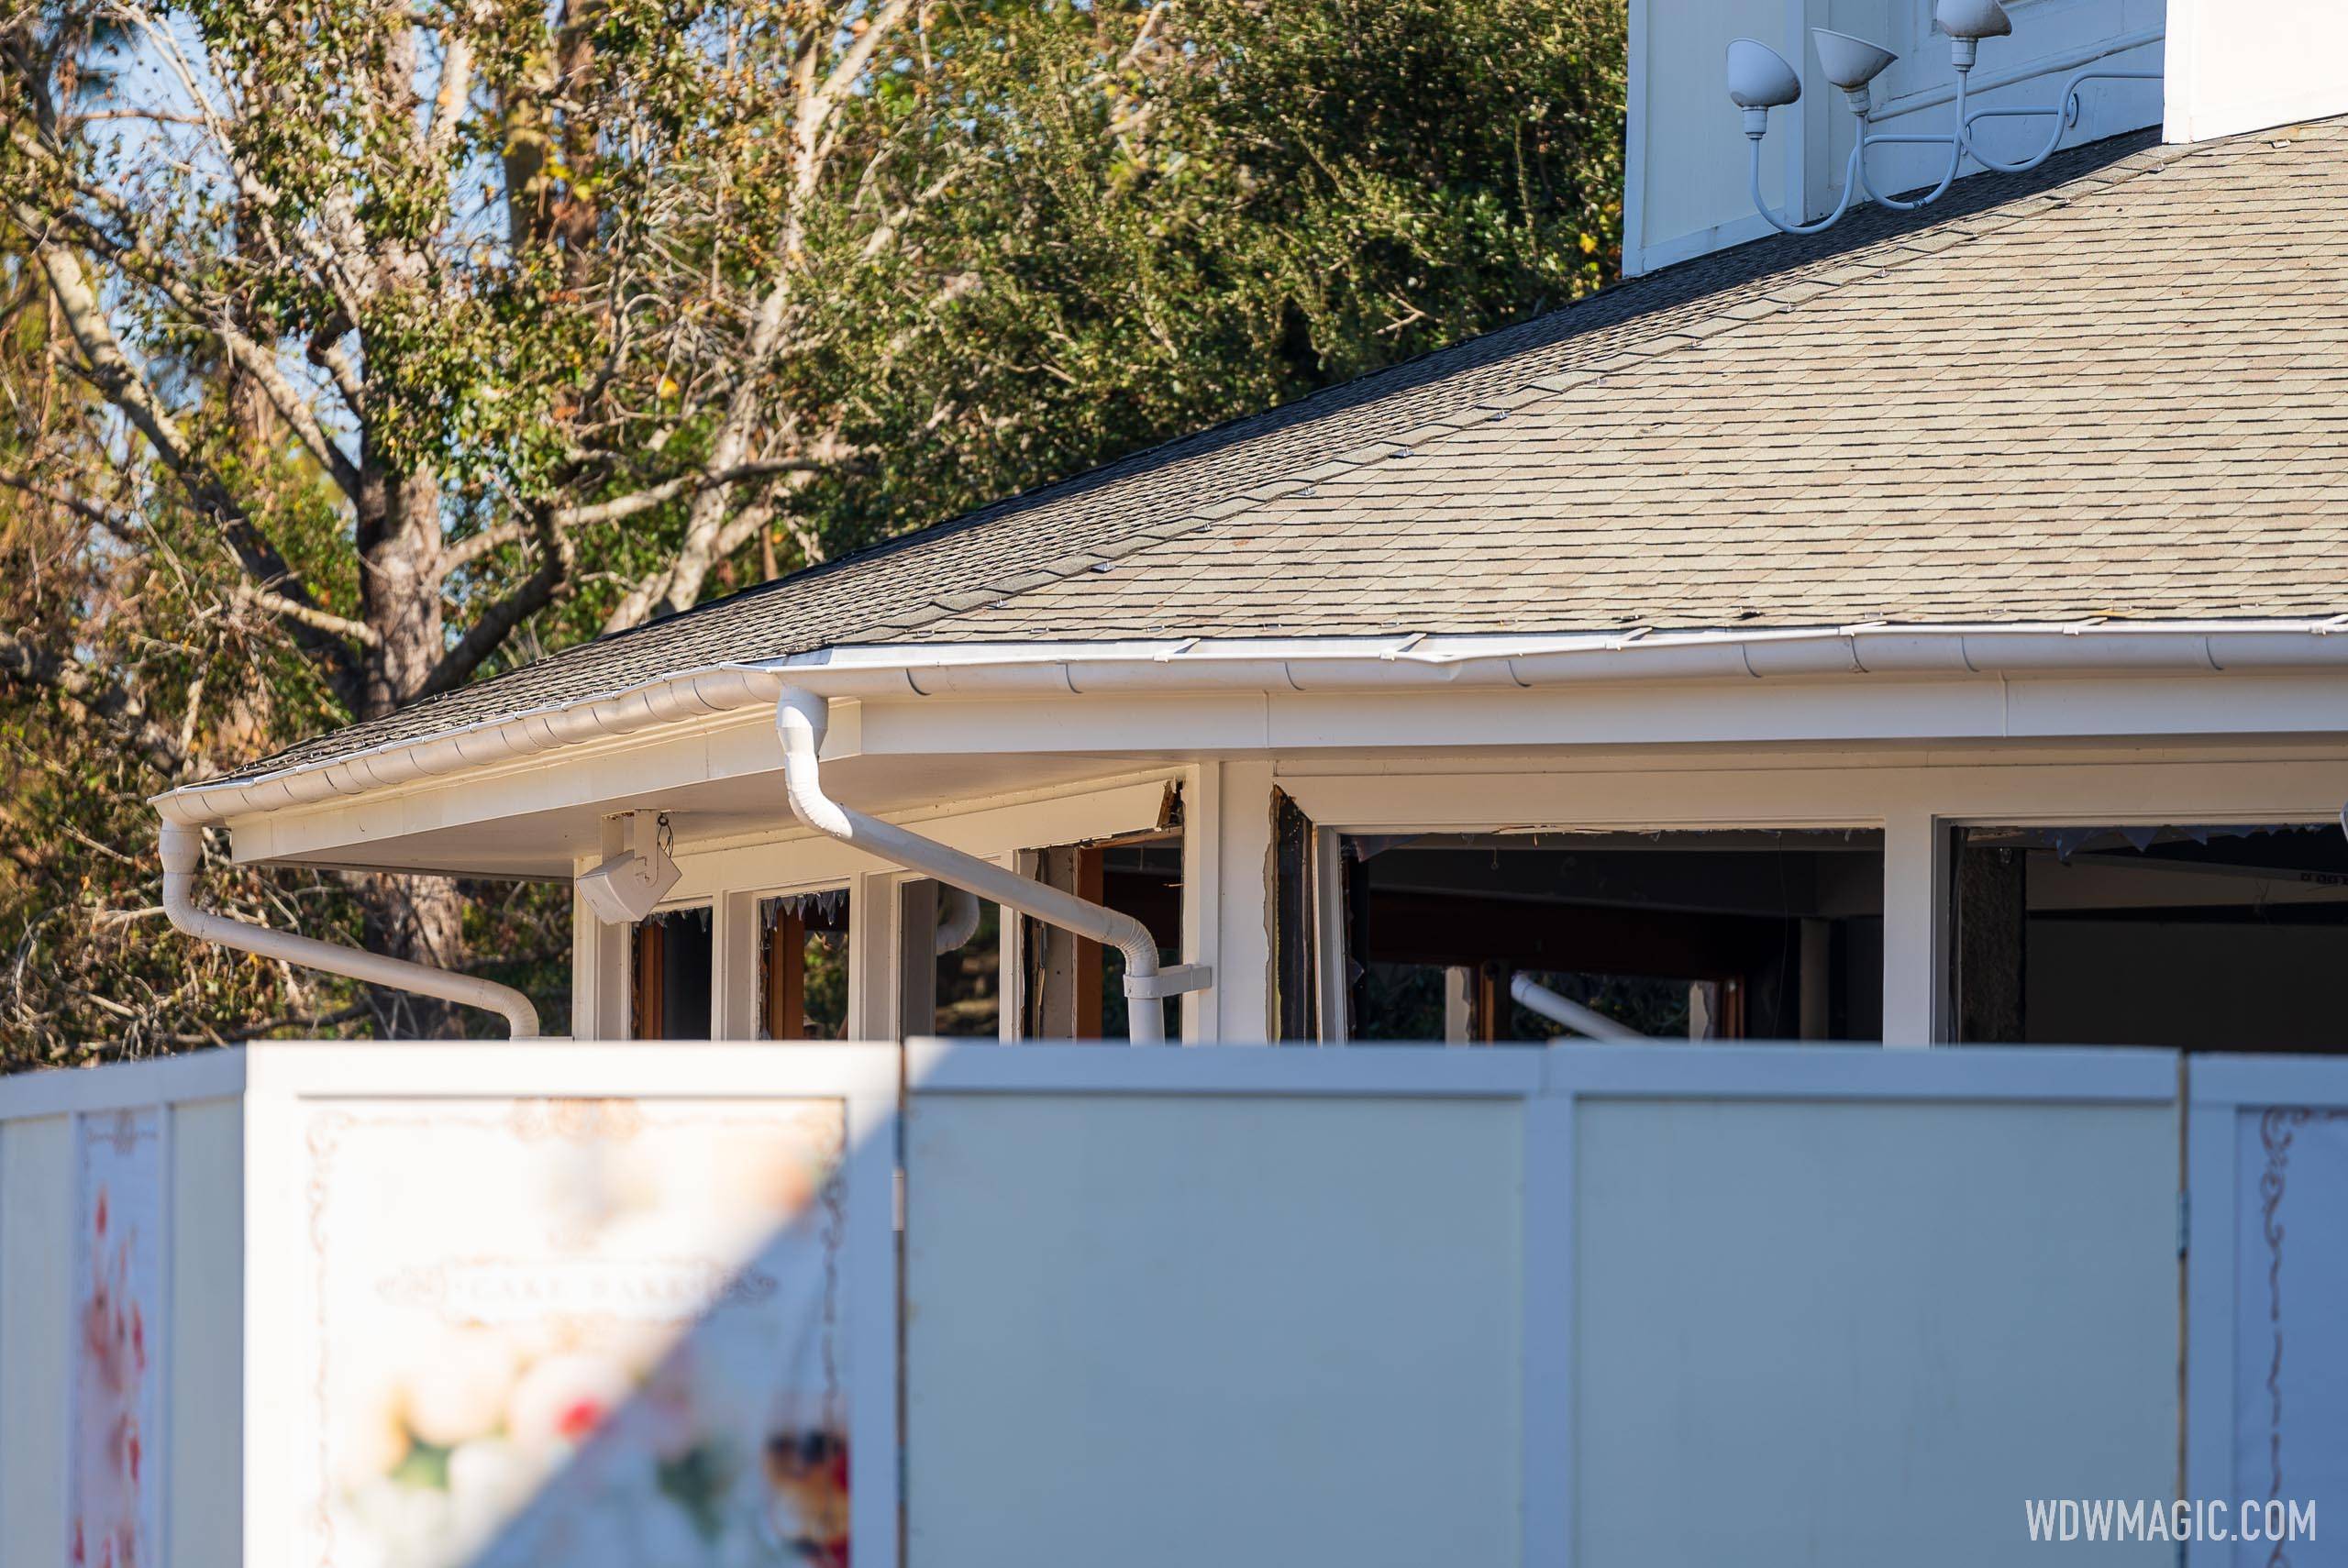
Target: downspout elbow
{"points": [[183, 852], [800, 720]]}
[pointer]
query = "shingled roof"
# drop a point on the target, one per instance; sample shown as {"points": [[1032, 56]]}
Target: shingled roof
{"points": [[2116, 387]]}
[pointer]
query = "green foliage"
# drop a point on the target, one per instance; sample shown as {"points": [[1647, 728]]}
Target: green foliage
{"points": [[1260, 200], [1039, 235]]}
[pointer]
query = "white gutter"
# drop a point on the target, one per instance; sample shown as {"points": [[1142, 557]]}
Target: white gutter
{"points": [[183, 850], [800, 718], [1281, 666], [1532, 994]]}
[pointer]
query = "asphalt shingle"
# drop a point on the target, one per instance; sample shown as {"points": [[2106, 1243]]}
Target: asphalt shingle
{"points": [[2116, 386]]}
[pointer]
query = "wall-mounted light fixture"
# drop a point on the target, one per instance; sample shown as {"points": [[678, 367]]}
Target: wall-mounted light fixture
{"points": [[1759, 80]]}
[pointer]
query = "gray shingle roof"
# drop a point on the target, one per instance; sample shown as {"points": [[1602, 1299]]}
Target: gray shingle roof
{"points": [[2116, 386]]}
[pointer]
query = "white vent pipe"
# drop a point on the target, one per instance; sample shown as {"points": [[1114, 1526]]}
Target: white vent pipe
{"points": [[1540, 999], [182, 849], [800, 718]]}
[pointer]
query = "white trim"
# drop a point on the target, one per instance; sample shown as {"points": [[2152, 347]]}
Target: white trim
{"points": [[1987, 82], [1331, 994], [1293, 665], [960, 1066], [1634, 260], [1669, 1070], [563, 1068], [1546, 1334], [159, 1343], [1915, 922], [2237, 1081], [795, 859], [119, 1086], [1200, 906], [1699, 242]]}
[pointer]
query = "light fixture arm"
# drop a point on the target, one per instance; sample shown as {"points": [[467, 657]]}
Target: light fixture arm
{"points": [[1956, 149], [1851, 181], [1760, 79], [2060, 110]]}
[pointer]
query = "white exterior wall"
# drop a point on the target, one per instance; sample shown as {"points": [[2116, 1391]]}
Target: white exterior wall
{"points": [[194, 1456], [1686, 167], [2244, 65], [36, 1331]]}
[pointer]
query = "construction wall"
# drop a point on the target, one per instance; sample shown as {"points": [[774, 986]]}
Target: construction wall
{"points": [[1584, 1305], [1595, 1306], [121, 1322]]}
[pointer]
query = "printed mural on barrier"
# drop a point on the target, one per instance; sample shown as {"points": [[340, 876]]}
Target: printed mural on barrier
{"points": [[2291, 1366], [118, 1264], [578, 1332]]}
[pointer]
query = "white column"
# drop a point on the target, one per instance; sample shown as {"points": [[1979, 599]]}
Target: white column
{"points": [[734, 936], [1237, 921], [598, 972], [872, 937], [1915, 919]]}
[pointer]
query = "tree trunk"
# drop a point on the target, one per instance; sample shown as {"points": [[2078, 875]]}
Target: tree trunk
{"points": [[418, 918]]}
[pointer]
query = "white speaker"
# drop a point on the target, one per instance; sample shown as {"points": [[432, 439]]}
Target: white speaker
{"points": [[630, 885]]}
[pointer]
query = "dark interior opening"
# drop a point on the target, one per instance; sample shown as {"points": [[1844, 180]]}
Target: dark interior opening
{"points": [[1733, 935], [670, 994], [954, 981], [1075, 987], [803, 966], [2202, 938]]}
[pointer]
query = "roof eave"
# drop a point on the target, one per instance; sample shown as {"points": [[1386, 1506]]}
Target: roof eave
{"points": [[1296, 665]]}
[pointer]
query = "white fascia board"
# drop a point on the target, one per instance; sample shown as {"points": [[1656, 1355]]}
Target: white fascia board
{"points": [[1278, 666]]}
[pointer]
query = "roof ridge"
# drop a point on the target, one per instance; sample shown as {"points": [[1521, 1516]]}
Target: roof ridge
{"points": [[1801, 279]]}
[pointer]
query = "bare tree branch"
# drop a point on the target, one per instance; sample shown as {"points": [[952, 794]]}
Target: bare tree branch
{"points": [[359, 632], [644, 500], [558, 567], [110, 371]]}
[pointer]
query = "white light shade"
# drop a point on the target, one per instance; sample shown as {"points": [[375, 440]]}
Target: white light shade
{"points": [[1973, 18], [1758, 76], [1850, 63]]}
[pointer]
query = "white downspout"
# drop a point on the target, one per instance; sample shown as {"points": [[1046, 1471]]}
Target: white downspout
{"points": [[183, 850], [800, 718], [1540, 999]]}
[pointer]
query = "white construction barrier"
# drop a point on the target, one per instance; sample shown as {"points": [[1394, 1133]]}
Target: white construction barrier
{"points": [[459, 1306], [450, 1306], [2268, 1299], [1598, 1306]]}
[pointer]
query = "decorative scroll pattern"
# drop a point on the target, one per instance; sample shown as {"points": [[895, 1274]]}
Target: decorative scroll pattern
{"points": [[2278, 1128]]}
